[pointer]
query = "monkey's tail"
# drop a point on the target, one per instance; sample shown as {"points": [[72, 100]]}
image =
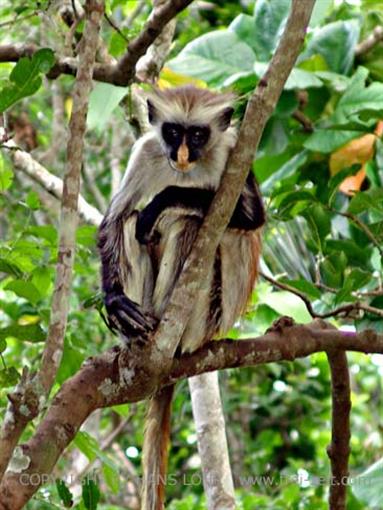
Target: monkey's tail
{"points": [[155, 449]]}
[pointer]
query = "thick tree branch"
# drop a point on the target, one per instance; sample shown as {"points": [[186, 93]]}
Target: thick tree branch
{"points": [[98, 384], [123, 72], [339, 449], [258, 110]]}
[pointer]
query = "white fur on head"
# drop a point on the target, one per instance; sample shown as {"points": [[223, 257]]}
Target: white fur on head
{"points": [[190, 105]]}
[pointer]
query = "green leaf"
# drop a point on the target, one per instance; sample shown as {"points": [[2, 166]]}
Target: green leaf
{"points": [[358, 98], [319, 221], [367, 486], [286, 303], [244, 26], [103, 100], [64, 493], [33, 201], [42, 280], [327, 140], [46, 232], [6, 176], [25, 290], [365, 200], [3, 344], [9, 267], [304, 286], [90, 494], [9, 377], [25, 78], [111, 477], [91, 449], [285, 171], [320, 11], [270, 18], [29, 333], [214, 57], [332, 269], [336, 43]]}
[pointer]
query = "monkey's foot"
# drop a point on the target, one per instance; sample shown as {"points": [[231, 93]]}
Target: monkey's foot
{"points": [[127, 317], [280, 324]]}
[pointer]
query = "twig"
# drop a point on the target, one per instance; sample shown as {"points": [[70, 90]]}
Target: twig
{"points": [[341, 310], [371, 41], [149, 66], [339, 449], [17, 19], [69, 211], [94, 190], [51, 183], [299, 116], [362, 226], [115, 27]]}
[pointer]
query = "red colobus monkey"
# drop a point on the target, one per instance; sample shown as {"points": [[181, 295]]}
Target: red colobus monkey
{"points": [[149, 229]]}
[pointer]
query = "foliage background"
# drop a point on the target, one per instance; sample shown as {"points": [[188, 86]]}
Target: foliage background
{"points": [[320, 241]]}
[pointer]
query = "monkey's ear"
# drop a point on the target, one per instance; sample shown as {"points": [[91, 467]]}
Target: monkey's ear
{"points": [[151, 112], [225, 118]]}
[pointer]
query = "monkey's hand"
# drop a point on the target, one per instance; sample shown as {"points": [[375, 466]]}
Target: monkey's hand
{"points": [[188, 199], [126, 317]]}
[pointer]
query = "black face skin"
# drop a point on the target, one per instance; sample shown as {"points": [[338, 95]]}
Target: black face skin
{"points": [[196, 138]]}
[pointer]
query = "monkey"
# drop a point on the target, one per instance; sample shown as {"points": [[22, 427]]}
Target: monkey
{"points": [[148, 231]]}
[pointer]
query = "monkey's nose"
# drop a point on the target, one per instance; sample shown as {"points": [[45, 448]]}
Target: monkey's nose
{"points": [[183, 157]]}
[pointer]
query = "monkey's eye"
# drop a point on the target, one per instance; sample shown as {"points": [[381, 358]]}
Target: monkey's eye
{"points": [[172, 133], [198, 136]]}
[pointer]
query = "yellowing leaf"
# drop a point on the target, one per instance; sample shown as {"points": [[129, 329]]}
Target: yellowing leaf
{"points": [[169, 78], [358, 151], [353, 182]]}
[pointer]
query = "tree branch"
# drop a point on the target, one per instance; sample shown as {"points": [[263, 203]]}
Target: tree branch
{"points": [[97, 384], [94, 10], [51, 183], [339, 449], [371, 41], [123, 72], [344, 310], [258, 110]]}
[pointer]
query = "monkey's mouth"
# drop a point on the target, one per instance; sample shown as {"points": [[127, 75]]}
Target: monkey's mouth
{"points": [[182, 168]]}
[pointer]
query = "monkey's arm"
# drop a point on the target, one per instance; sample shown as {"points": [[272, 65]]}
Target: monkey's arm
{"points": [[249, 213], [124, 315]]}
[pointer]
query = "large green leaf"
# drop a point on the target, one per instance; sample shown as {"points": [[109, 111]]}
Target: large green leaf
{"points": [[103, 100], [336, 43], [25, 78], [214, 57], [358, 98], [28, 333], [270, 18], [326, 140], [25, 290]]}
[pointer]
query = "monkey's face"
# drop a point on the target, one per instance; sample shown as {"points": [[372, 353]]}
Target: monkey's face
{"points": [[184, 145]]}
